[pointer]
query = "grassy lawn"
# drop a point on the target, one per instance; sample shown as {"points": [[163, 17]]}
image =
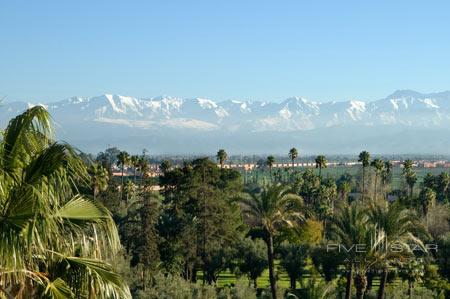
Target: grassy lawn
{"points": [[227, 278]]}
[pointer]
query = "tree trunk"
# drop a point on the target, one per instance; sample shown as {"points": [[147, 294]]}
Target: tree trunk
{"points": [[348, 287], [363, 185], [359, 293], [293, 283], [369, 283], [144, 175], [194, 274], [255, 283], [375, 191], [360, 285], [144, 279], [270, 172], [410, 287], [273, 283], [292, 172], [383, 281], [121, 184]]}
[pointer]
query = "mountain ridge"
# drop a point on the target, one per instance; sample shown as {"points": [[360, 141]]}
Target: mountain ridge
{"points": [[159, 116]]}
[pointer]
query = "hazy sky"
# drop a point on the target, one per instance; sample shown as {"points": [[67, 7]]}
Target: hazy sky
{"points": [[256, 50]]}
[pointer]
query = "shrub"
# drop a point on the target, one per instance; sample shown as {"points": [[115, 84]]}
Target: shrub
{"points": [[241, 290], [174, 287]]}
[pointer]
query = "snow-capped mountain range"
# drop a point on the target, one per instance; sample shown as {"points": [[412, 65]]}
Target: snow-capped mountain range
{"points": [[85, 118]]}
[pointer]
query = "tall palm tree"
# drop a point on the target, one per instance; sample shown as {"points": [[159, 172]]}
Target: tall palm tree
{"points": [[321, 162], [443, 184], [401, 228], [99, 178], [143, 168], [411, 180], [134, 161], [364, 158], [427, 198], [221, 157], [293, 154], [130, 191], [407, 165], [378, 166], [386, 177], [351, 226], [122, 160], [269, 162], [273, 209], [52, 240]]}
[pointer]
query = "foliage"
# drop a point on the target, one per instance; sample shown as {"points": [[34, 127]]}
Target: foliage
{"points": [[251, 258], [198, 217], [293, 261], [60, 209], [53, 240]]}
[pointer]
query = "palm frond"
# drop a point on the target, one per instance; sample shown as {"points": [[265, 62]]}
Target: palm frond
{"points": [[58, 289]]}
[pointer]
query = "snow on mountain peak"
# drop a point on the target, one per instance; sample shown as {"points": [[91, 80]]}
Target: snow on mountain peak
{"points": [[295, 113]]}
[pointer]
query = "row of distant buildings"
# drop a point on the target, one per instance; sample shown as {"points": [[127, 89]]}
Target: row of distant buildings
{"points": [[154, 170]]}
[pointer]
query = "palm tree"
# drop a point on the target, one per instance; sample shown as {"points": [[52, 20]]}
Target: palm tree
{"points": [[52, 239], [364, 158], [269, 162], [122, 160], [165, 166], [221, 157], [321, 162], [143, 167], [293, 154], [442, 186], [351, 226], [273, 209], [411, 180], [378, 166], [407, 165], [386, 177], [134, 161], [401, 227], [99, 178], [427, 198], [130, 191]]}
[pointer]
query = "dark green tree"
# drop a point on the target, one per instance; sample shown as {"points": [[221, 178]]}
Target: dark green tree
{"points": [[364, 158], [310, 186], [221, 157], [427, 198], [123, 158], [293, 261], [251, 257], [143, 216], [269, 162], [378, 167], [443, 187], [293, 154], [199, 217], [321, 162]]}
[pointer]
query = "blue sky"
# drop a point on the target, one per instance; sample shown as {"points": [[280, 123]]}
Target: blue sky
{"points": [[256, 50]]}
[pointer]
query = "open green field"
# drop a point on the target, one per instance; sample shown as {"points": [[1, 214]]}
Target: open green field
{"points": [[227, 278], [337, 171]]}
